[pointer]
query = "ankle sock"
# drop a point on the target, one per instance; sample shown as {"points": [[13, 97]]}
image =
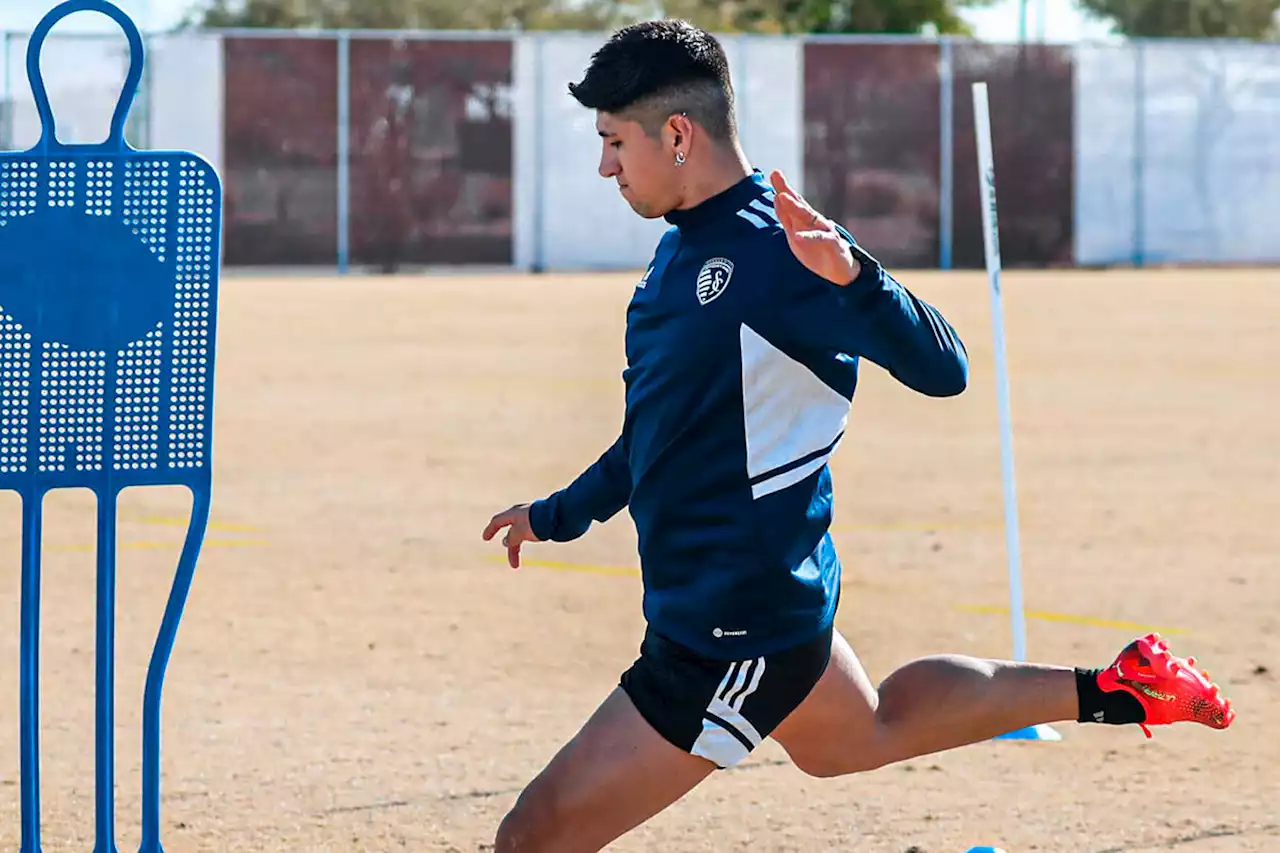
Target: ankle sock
{"points": [[1098, 706]]}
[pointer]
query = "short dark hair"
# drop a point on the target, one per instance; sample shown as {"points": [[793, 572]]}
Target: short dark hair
{"points": [[655, 69]]}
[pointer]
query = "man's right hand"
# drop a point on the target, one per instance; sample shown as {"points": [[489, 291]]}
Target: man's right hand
{"points": [[517, 519], [813, 238]]}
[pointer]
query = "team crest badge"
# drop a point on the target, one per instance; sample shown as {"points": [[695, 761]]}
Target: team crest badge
{"points": [[713, 279]]}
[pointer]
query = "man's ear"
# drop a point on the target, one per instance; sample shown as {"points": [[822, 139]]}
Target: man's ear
{"points": [[680, 129]]}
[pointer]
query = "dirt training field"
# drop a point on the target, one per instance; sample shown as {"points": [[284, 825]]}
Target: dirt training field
{"points": [[358, 671]]}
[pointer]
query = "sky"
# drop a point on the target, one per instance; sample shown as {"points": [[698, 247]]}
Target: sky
{"points": [[1054, 20]]}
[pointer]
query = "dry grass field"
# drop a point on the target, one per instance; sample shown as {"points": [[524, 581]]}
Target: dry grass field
{"points": [[358, 671]]}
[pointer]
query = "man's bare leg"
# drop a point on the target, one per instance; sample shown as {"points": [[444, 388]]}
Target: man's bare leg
{"points": [[938, 703], [929, 705], [615, 774]]}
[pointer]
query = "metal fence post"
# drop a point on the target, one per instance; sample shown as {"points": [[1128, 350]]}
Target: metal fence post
{"points": [[139, 126], [1139, 153], [740, 103], [946, 165], [539, 157], [6, 96], [344, 152]]}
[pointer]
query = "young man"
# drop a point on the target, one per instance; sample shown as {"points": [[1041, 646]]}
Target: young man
{"points": [[743, 342]]}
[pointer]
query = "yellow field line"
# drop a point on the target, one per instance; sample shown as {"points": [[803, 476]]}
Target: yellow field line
{"points": [[222, 527], [155, 546], [985, 609], [1070, 619], [572, 567], [913, 526]]}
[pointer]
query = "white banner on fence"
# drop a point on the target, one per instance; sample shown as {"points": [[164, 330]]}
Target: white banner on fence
{"points": [[567, 216], [1104, 154], [83, 74], [186, 95], [178, 105], [1176, 146]]}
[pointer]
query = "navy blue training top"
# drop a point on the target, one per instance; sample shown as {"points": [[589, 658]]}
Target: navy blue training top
{"points": [[741, 369]]}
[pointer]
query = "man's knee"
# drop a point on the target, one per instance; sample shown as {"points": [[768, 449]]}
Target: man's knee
{"points": [[832, 764], [521, 831], [530, 826], [509, 831]]}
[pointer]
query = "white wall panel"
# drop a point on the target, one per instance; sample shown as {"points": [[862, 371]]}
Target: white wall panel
{"points": [[1104, 154], [1176, 154], [186, 95], [574, 219]]}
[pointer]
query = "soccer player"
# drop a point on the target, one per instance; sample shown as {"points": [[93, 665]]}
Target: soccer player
{"points": [[743, 342]]}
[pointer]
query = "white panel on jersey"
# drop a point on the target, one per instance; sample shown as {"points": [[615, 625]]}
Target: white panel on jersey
{"points": [[789, 414]]}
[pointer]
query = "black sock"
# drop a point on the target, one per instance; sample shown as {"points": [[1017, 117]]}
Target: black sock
{"points": [[1097, 706]]}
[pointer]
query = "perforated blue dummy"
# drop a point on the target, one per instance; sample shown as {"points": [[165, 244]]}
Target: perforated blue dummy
{"points": [[109, 263]]}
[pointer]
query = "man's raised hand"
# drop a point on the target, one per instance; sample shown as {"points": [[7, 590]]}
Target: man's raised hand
{"points": [[813, 237]]}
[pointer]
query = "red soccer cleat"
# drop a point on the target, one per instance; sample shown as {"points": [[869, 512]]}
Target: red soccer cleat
{"points": [[1171, 689]]}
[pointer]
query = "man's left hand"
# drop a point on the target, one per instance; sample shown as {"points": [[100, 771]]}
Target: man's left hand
{"points": [[813, 237]]}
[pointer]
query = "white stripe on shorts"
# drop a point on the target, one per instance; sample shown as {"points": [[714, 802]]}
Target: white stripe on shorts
{"points": [[717, 743]]}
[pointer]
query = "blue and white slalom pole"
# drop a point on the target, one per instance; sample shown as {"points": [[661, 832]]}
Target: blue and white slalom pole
{"points": [[991, 239]]}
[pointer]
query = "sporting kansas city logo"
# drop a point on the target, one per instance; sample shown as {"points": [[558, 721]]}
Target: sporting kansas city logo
{"points": [[713, 279]]}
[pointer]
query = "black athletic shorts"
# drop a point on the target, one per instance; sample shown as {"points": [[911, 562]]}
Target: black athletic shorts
{"points": [[721, 710]]}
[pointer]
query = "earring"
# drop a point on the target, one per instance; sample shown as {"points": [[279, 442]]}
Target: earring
{"points": [[679, 158]]}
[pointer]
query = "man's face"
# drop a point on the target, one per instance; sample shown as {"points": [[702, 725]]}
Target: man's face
{"points": [[643, 166]]}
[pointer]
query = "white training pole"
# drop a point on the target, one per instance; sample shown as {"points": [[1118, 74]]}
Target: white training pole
{"points": [[991, 237]]}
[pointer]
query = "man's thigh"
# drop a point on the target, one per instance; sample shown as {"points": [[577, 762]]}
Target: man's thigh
{"points": [[616, 773], [835, 730], [675, 717]]}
